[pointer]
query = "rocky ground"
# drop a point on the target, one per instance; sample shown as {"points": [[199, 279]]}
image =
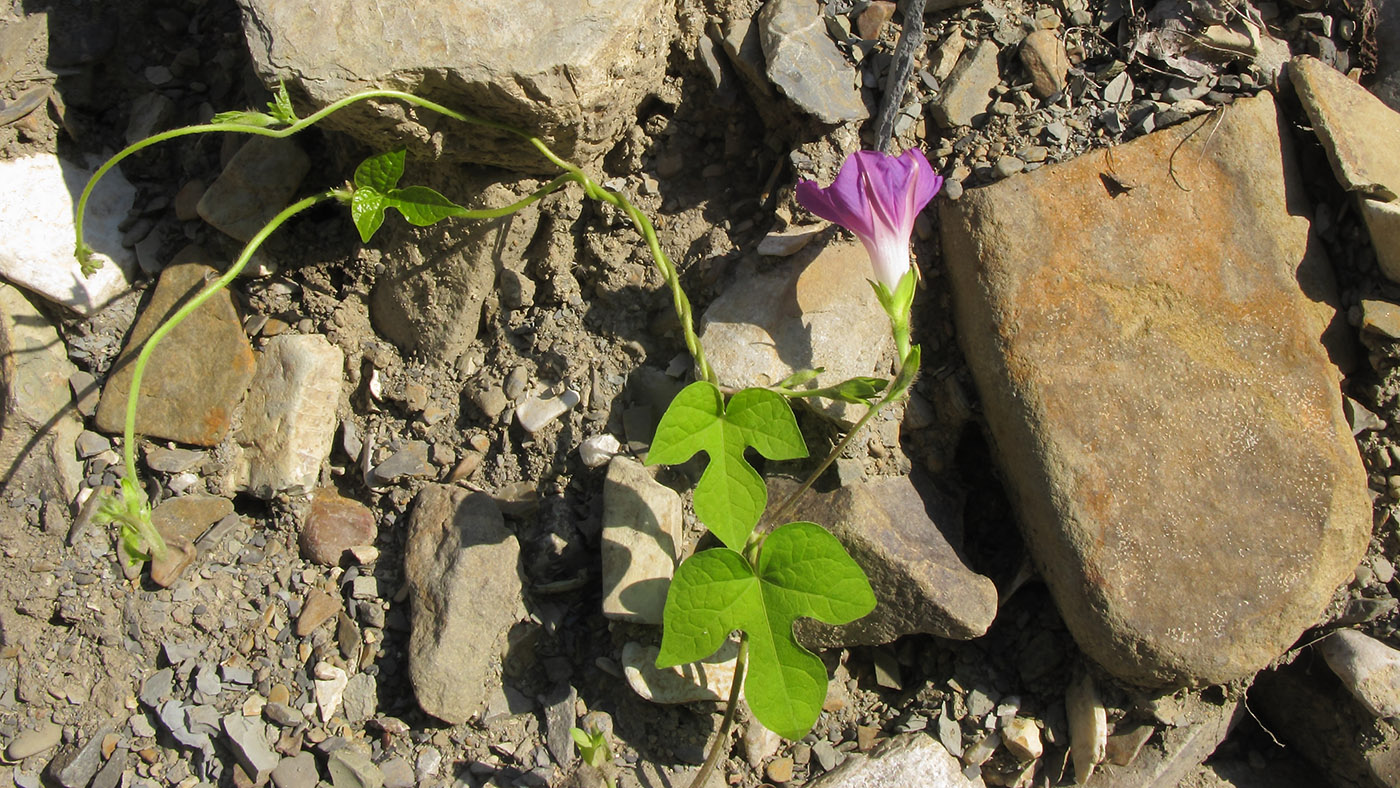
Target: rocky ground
{"points": [[393, 473]]}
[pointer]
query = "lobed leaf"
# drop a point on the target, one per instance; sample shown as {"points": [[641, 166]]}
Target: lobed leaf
{"points": [[803, 572], [730, 496]]}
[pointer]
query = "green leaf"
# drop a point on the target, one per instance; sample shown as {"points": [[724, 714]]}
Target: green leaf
{"points": [[367, 211], [799, 377], [422, 206], [280, 108], [245, 118], [730, 496], [380, 173], [803, 572]]}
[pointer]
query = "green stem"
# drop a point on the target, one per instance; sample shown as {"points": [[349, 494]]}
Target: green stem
{"points": [[143, 358], [898, 387], [718, 746], [572, 173]]}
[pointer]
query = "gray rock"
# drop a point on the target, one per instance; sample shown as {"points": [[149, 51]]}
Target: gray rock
{"points": [[172, 716], [110, 775], [39, 427], [1177, 750], [399, 774], [903, 535], [1383, 223], [461, 567], [256, 184], [198, 373], [283, 715], [1173, 555], [804, 63], [298, 771], [247, 738], [76, 767], [1312, 714], [290, 415], [573, 72], [429, 302], [165, 460], [740, 40], [906, 759], [36, 232], [559, 708], [1368, 668], [33, 742], [709, 679], [158, 687], [350, 768], [968, 89], [361, 697], [408, 462], [203, 720], [642, 524], [810, 311]]}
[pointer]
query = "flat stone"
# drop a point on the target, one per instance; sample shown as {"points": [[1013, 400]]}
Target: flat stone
{"points": [[599, 450], [535, 412], [248, 740], [316, 609], [289, 417], [740, 41], [642, 524], [334, 525], [1174, 554], [399, 774], [351, 768], [907, 759], [709, 679], [1088, 727], [1368, 668], [408, 462], [429, 299], [40, 427], [37, 234], [1022, 738], [166, 460], [298, 771], [903, 535], [256, 184], [198, 373], [811, 310], [968, 90], [804, 63], [330, 682], [1383, 223], [788, 243], [187, 518], [1359, 132], [1178, 750], [574, 73], [361, 697], [461, 567], [32, 742], [76, 766], [1043, 55]]}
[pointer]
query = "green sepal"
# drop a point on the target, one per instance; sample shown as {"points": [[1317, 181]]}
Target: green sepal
{"points": [[802, 572]]}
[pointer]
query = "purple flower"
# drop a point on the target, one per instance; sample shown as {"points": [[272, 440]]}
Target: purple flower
{"points": [[876, 196]]}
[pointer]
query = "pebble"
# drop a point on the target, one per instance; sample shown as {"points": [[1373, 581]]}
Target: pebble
{"points": [[408, 462], [397, 773], [950, 734], [598, 450], [166, 460], [330, 689], [76, 768], [90, 444], [158, 687], [787, 243], [429, 760], [1022, 738], [298, 771], [333, 525], [316, 609], [43, 738], [826, 755], [535, 412], [1088, 727], [283, 715], [1123, 748], [1383, 569], [779, 770], [350, 768], [1368, 668], [140, 725], [982, 749]]}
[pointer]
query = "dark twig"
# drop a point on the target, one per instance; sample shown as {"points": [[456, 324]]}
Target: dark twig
{"points": [[911, 37]]}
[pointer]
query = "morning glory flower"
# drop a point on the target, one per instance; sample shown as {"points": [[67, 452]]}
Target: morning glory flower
{"points": [[877, 196]]}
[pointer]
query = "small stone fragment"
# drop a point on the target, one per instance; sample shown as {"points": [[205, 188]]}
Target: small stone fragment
{"points": [[708, 679], [1043, 55], [642, 524], [779, 770], [1088, 727], [330, 689], [804, 63], [535, 412], [598, 450], [1123, 748], [909, 759], [873, 19], [351, 768], [787, 243], [298, 771], [1368, 668], [1022, 738], [248, 740], [167, 568], [33, 742], [317, 608], [968, 90]]}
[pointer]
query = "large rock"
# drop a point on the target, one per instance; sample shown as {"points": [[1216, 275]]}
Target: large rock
{"points": [[461, 566], [256, 185], [38, 422], [642, 525], [429, 302], [196, 375], [814, 309], [290, 416], [899, 533], [37, 233], [805, 64], [571, 72], [1169, 424], [1362, 138]]}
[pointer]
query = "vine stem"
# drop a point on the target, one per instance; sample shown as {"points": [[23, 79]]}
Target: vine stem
{"points": [[717, 747], [143, 358]]}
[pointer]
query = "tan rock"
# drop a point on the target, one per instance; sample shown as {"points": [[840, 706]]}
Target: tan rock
{"points": [[1043, 55], [1359, 132], [316, 609], [38, 422], [642, 524], [1170, 425], [187, 518], [196, 375], [333, 525], [1383, 223]]}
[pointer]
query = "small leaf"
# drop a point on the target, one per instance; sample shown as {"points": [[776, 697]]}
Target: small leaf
{"points": [[422, 206], [857, 390], [245, 118], [380, 173], [799, 377], [730, 496], [581, 739], [280, 108], [803, 572], [367, 211]]}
